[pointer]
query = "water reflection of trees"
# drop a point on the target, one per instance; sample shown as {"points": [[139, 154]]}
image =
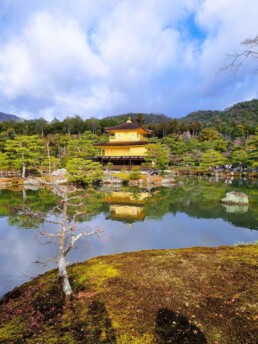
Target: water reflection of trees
{"points": [[44, 201], [198, 198], [201, 199], [40, 200]]}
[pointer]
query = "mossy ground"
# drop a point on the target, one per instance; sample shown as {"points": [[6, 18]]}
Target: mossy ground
{"points": [[196, 295]]}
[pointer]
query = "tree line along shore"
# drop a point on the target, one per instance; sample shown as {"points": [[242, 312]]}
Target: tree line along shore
{"points": [[207, 152]]}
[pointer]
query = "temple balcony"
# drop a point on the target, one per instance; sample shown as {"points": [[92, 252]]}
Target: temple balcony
{"points": [[124, 138], [121, 157]]}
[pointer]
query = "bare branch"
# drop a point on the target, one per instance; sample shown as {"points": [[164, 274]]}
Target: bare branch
{"points": [[75, 205], [238, 59], [74, 239], [50, 235], [28, 212], [45, 262], [57, 208], [78, 213], [74, 197], [42, 217]]}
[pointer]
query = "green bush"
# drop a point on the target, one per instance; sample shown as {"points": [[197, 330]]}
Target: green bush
{"points": [[135, 173]]}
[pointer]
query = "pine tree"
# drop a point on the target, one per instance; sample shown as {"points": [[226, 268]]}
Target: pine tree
{"points": [[212, 158], [25, 152]]}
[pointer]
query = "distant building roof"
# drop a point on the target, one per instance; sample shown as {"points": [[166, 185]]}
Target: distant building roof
{"points": [[128, 125]]}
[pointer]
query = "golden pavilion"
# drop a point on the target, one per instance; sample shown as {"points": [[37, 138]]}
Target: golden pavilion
{"points": [[126, 145]]}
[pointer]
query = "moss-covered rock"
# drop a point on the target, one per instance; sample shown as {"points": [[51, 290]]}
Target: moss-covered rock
{"points": [[235, 198], [195, 295]]}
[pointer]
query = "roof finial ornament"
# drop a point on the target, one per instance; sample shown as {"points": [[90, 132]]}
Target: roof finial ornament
{"points": [[129, 120]]}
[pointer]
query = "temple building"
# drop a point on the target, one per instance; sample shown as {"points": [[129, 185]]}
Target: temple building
{"points": [[126, 146]]}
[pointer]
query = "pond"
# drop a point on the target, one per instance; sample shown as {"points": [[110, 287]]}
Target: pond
{"points": [[185, 215]]}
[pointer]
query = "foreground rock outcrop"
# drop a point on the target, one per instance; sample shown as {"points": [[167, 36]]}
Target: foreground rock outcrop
{"points": [[196, 295]]}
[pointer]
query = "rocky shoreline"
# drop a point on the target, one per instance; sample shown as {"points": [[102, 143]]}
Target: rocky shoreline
{"points": [[111, 178]]}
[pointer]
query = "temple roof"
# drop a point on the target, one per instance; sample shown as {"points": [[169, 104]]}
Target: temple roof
{"points": [[128, 125]]}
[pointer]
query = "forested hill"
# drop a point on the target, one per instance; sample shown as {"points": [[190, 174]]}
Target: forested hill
{"points": [[240, 118], [8, 117], [240, 113], [146, 118]]}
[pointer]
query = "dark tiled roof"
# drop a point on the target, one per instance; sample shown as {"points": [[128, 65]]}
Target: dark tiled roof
{"points": [[123, 143], [124, 126], [129, 125]]}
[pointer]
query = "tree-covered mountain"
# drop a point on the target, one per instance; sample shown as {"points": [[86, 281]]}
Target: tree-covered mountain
{"points": [[241, 113], [146, 118], [239, 117], [7, 117], [240, 120]]}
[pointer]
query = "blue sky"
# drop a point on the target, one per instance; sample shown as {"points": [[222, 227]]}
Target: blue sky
{"points": [[106, 57]]}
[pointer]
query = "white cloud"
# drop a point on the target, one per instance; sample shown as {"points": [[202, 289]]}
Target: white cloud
{"points": [[50, 52], [109, 57]]}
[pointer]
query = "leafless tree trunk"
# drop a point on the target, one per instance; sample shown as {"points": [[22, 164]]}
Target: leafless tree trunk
{"points": [[61, 253], [23, 167], [23, 170]]}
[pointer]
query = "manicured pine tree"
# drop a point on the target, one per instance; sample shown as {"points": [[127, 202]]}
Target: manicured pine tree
{"points": [[252, 149], [239, 156], [177, 148], [157, 156], [25, 152], [81, 146], [211, 159], [84, 171]]}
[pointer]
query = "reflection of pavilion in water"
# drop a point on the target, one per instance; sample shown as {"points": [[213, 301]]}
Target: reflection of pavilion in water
{"points": [[126, 206]]}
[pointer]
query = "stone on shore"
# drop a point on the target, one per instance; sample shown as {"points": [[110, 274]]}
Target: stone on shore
{"points": [[111, 180], [61, 172], [235, 198], [31, 184], [60, 176]]}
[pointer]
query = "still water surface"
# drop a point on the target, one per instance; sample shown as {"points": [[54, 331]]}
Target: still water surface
{"points": [[130, 220]]}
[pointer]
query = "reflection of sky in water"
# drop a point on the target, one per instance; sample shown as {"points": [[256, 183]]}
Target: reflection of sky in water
{"points": [[19, 248]]}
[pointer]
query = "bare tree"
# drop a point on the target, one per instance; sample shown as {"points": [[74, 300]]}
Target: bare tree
{"points": [[69, 232], [239, 58]]}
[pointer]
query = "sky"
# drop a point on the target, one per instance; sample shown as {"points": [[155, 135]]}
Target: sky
{"points": [[97, 58]]}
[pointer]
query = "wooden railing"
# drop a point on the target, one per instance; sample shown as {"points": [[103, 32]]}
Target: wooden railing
{"points": [[122, 157]]}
